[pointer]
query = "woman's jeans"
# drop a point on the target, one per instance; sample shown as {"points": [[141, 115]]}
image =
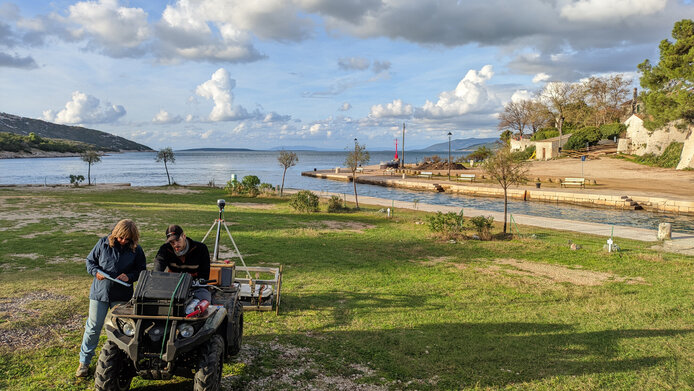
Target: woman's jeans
{"points": [[97, 314]]}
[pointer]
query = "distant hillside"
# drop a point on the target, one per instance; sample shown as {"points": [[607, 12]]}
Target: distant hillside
{"points": [[461, 144], [102, 140], [216, 150]]}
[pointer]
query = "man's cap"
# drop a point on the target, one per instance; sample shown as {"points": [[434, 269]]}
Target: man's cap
{"points": [[173, 233]]}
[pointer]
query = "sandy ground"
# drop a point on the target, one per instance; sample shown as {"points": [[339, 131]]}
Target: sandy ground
{"points": [[612, 176]]}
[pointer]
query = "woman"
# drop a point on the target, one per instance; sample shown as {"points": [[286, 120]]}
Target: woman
{"points": [[116, 256]]}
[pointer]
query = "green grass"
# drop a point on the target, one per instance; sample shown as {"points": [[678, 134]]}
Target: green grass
{"points": [[386, 306]]}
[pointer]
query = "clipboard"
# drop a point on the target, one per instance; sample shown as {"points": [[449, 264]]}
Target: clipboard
{"points": [[103, 273]]}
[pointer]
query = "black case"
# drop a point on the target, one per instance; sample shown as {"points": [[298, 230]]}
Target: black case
{"points": [[154, 290]]}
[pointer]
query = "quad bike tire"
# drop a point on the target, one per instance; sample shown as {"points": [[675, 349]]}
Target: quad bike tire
{"points": [[113, 372], [235, 345], [209, 374]]}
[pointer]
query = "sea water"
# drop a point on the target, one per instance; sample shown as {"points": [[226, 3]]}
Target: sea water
{"points": [[203, 167]]}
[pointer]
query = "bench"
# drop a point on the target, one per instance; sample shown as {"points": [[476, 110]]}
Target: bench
{"points": [[426, 174], [581, 182], [466, 177], [389, 171]]}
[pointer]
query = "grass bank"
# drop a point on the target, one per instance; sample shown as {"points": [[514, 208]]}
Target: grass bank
{"points": [[369, 303]]}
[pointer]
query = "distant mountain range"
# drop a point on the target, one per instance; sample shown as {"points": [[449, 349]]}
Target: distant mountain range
{"points": [[101, 140], [215, 149], [456, 145], [461, 144]]}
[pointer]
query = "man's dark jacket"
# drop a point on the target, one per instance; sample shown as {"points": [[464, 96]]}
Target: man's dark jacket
{"points": [[196, 261], [114, 261]]}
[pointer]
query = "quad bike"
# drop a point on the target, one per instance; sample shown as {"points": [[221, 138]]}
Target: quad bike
{"points": [[151, 336]]}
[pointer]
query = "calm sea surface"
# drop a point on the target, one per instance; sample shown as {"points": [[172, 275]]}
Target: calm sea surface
{"points": [[140, 169]]}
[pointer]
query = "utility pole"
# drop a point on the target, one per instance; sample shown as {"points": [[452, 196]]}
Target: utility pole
{"points": [[449, 155], [402, 164]]}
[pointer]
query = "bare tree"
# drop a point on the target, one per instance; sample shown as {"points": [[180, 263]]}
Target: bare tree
{"points": [[286, 160], [90, 157], [355, 159], [506, 170], [605, 95], [166, 155], [558, 97], [515, 116], [539, 116]]}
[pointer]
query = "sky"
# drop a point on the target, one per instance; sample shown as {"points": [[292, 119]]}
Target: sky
{"points": [[266, 73]]}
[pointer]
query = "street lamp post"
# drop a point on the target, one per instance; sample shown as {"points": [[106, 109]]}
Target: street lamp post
{"points": [[402, 164], [449, 155]]}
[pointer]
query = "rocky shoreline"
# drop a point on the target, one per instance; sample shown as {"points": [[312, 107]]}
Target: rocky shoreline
{"points": [[37, 153]]}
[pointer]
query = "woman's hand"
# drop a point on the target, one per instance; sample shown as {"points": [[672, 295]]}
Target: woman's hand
{"points": [[99, 276], [123, 277]]}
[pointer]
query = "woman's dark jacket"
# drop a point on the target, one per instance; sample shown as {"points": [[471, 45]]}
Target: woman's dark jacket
{"points": [[114, 261]]}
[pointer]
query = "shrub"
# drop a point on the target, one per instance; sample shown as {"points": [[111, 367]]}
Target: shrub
{"points": [[483, 225], [304, 201], [76, 179], [335, 205], [524, 155], [545, 133], [590, 135], [608, 131], [447, 225], [266, 188], [669, 158], [233, 187], [249, 185]]}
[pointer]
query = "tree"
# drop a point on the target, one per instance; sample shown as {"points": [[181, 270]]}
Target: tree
{"points": [[558, 97], [166, 155], [515, 116], [286, 160], [539, 116], [505, 137], [604, 95], [90, 157], [480, 154], [355, 159], [669, 86], [503, 168]]}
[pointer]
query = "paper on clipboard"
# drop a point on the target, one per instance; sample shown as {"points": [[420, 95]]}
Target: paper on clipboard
{"points": [[103, 273]]}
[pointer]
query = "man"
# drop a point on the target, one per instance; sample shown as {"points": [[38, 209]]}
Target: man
{"points": [[181, 254]]}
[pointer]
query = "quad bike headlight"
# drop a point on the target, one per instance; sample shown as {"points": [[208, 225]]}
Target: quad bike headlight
{"points": [[186, 330], [127, 326]]}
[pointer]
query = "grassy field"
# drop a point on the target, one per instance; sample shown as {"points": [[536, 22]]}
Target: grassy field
{"points": [[368, 303]]}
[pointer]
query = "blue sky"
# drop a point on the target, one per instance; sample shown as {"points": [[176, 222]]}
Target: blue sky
{"points": [[265, 73]]}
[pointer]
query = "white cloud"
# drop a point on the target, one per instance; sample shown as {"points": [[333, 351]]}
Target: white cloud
{"points": [[184, 32], [118, 29], [521, 95], [470, 95], [540, 77], [163, 117], [345, 107], [602, 10], [395, 109], [218, 89], [85, 109]]}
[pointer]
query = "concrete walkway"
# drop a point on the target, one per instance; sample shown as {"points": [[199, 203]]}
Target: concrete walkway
{"points": [[681, 242]]}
